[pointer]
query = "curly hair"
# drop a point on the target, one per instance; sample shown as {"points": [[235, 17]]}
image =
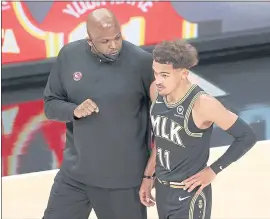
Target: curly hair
{"points": [[178, 53]]}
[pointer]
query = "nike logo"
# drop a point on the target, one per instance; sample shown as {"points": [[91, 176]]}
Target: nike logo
{"points": [[181, 199]]}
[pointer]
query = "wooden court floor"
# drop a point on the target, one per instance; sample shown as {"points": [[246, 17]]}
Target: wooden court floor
{"points": [[239, 192]]}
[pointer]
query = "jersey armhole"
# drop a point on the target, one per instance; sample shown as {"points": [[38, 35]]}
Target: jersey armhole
{"points": [[187, 116]]}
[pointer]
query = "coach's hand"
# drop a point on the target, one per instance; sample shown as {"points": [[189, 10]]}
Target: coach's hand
{"points": [[201, 179], [86, 108], [145, 193]]}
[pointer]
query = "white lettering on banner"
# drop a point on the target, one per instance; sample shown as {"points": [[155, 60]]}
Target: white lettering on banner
{"points": [[5, 5], [10, 44], [144, 6], [133, 3], [132, 31], [69, 10], [76, 9]]}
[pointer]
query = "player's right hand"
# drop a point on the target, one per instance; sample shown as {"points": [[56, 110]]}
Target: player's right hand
{"points": [[145, 193], [86, 108]]}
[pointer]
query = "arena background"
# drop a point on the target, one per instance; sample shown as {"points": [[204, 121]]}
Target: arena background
{"points": [[233, 40]]}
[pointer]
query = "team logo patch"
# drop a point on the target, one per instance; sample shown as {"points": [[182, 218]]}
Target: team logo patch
{"points": [[200, 204], [77, 76], [180, 110]]}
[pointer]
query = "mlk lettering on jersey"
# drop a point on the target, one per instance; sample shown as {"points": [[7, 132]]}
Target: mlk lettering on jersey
{"points": [[167, 129]]}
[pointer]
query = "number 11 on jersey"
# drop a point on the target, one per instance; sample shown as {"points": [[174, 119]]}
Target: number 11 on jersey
{"points": [[164, 158]]}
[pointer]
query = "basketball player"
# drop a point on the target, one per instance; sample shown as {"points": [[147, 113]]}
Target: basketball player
{"points": [[183, 116], [99, 86]]}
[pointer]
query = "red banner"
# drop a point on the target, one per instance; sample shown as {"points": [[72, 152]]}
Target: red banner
{"points": [[142, 23], [20, 123]]}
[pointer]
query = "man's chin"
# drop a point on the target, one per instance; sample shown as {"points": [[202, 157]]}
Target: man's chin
{"points": [[113, 54], [162, 93]]}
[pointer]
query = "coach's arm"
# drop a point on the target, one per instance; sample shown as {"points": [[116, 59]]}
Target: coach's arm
{"points": [[56, 105]]}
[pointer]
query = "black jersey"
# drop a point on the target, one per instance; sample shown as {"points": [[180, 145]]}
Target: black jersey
{"points": [[103, 148], [182, 148]]}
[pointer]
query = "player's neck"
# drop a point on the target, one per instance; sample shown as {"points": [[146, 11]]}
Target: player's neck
{"points": [[179, 92]]}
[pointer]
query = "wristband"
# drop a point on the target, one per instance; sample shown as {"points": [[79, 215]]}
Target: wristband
{"points": [[149, 177]]}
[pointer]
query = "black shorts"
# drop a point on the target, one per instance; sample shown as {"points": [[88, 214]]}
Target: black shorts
{"points": [[70, 199], [176, 203]]}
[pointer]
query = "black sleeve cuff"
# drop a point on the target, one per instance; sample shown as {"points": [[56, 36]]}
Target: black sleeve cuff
{"points": [[70, 112], [216, 168]]}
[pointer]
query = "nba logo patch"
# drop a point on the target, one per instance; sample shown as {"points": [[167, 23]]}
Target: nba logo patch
{"points": [[77, 76]]}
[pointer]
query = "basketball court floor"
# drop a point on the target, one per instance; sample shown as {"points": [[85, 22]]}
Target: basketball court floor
{"points": [[240, 192]]}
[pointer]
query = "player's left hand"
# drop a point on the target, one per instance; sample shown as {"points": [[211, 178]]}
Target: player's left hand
{"points": [[201, 179], [145, 193]]}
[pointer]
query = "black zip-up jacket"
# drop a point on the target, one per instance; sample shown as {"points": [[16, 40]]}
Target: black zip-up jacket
{"points": [[106, 149]]}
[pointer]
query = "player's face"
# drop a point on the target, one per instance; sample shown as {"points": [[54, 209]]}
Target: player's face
{"points": [[167, 78], [107, 41]]}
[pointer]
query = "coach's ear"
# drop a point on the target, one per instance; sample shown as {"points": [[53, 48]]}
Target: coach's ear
{"points": [[89, 40]]}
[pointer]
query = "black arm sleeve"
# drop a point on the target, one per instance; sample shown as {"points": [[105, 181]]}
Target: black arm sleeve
{"points": [[244, 140], [56, 106]]}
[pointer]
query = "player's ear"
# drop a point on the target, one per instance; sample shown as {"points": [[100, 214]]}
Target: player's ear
{"points": [[185, 72]]}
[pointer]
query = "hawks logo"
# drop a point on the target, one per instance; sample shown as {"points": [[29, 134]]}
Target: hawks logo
{"points": [[77, 76]]}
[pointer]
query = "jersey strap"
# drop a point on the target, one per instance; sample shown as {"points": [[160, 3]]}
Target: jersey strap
{"points": [[173, 105], [187, 115]]}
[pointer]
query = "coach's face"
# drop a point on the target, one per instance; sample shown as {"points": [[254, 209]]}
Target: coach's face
{"points": [[106, 39], [167, 78]]}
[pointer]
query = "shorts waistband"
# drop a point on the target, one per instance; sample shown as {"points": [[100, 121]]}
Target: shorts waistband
{"points": [[178, 185]]}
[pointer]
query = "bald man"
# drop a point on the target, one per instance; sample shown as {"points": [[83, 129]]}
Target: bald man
{"points": [[99, 87]]}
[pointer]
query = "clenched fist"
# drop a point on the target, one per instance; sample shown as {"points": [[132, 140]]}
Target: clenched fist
{"points": [[86, 108]]}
